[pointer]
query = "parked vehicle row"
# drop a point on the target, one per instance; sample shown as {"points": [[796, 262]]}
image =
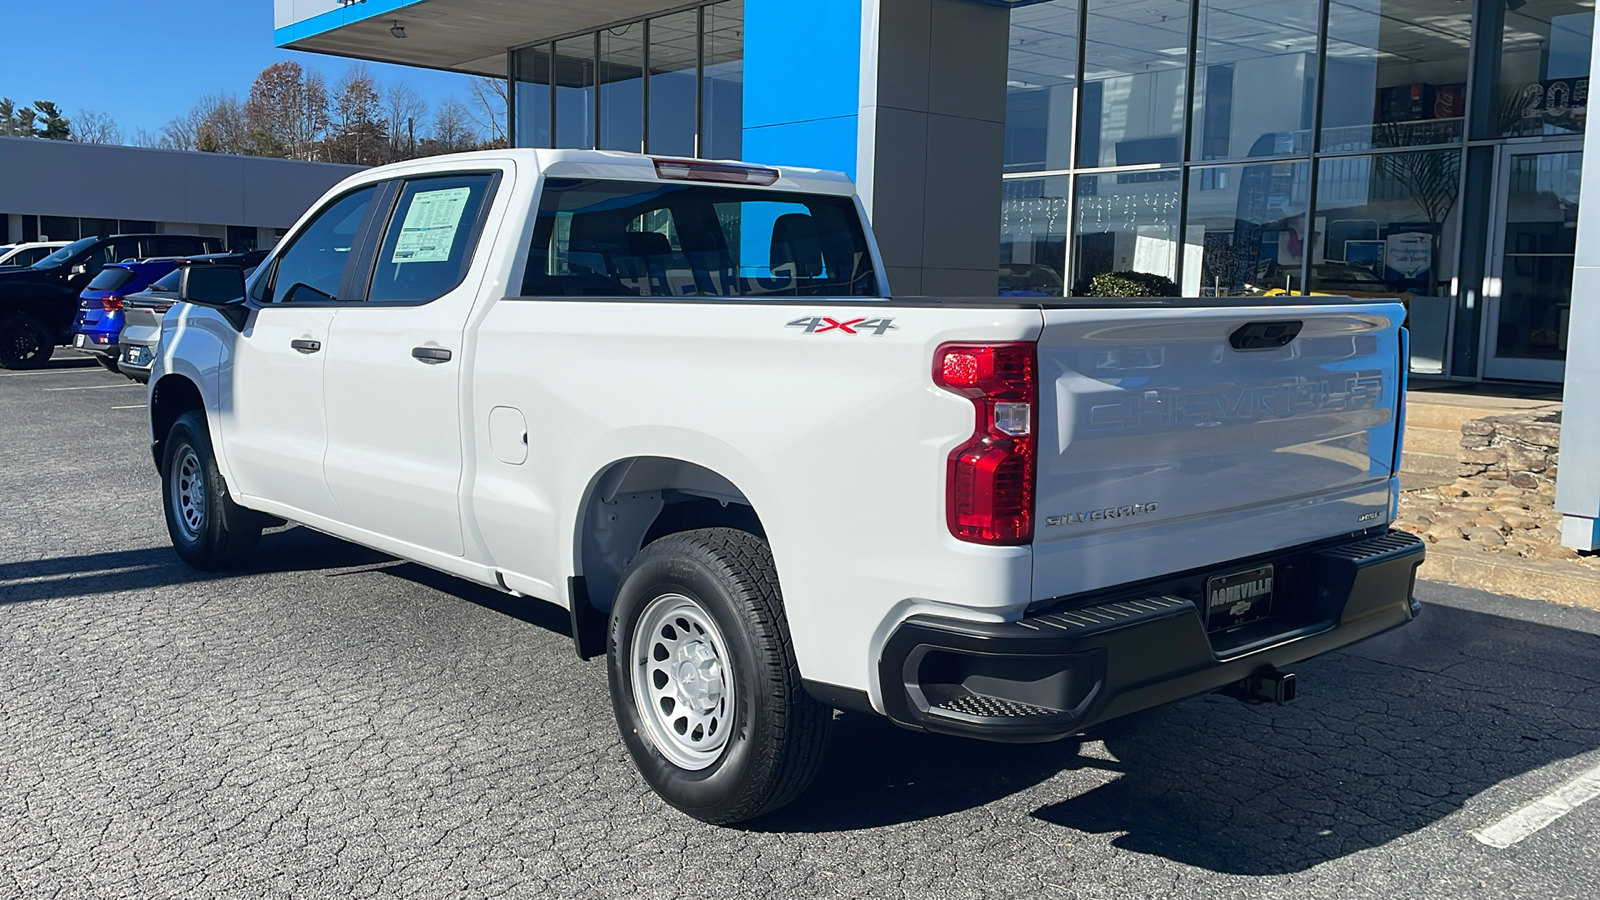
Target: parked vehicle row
{"points": [[26, 254], [677, 398], [142, 311], [40, 303]]}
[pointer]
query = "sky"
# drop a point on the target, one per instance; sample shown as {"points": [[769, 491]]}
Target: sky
{"points": [[145, 61]]}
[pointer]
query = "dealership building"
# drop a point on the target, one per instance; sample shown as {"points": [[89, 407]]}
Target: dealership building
{"points": [[1425, 149]]}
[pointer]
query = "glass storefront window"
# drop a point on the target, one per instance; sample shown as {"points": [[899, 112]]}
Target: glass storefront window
{"points": [[723, 87], [1126, 222], [622, 88], [1385, 226], [1396, 73], [1135, 66], [673, 57], [1255, 78], [574, 78], [1543, 67], [531, 96], [1538, 249], [1033, 236], [1246, 229], [1041, 76]]}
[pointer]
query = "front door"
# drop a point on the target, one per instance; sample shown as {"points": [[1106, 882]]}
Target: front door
{"points": [[274, 424], [1530, 285]]}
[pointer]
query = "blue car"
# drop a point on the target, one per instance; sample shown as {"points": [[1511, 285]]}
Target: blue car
{"points": [[99, 323]]}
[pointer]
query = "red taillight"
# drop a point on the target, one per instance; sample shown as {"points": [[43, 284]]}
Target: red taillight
{"points": [[111, 303], [989, 490]]}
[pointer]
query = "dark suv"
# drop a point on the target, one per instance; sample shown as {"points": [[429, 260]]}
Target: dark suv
{"points": [[39, 302]]}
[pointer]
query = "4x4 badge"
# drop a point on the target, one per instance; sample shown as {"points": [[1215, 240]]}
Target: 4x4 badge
{"points": [[821, 324]]}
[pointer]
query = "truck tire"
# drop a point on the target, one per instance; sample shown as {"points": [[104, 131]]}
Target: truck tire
{"points": [[209, 531], [703, 678], [24, 342]]}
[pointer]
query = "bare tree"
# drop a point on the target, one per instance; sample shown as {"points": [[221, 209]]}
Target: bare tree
{"points": [[403, 108], [489, 109], [143, 138], [357, 130], [218, 124], [91, 127], [287, 111], [453, 130]]}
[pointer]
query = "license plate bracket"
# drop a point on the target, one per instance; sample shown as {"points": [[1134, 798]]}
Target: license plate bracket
{"points": [[1239, 597]]}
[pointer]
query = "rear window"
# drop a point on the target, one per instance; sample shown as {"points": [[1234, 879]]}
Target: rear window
{"points": [[110, 279], [642, 239], [168, 283]]}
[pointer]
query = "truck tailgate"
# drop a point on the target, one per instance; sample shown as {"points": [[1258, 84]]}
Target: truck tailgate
{"points": [[1175, 438]]}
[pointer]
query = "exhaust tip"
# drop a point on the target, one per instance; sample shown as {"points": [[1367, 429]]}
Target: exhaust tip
{"points": [[1266, 686]]}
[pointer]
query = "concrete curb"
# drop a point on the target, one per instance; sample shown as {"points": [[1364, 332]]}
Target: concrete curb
{"points": [[1534, 579]]}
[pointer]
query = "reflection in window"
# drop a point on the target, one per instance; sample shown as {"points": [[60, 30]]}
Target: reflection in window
{"points": [[1544, 67], [1033, 236], [620, 239], [672, 64], [1386, 225], [1247, 228], [1135, 61], [622, 88], [574, 77], [531, 94], [1040, 76], [1125, 223], [1539, 248], [1396, 73], [723, 88], [1255, 77]]}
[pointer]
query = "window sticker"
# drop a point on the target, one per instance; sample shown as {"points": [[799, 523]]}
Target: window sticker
{"points": [[429, 230]]}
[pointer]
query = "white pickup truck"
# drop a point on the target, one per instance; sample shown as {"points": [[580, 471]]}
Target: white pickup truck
{"points": [[677, 398]]}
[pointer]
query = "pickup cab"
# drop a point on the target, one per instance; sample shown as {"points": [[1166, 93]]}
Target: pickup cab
{"points": [[678, 399]]}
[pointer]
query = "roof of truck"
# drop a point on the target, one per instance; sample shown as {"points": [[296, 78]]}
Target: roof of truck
{"points": [[610, 164]]}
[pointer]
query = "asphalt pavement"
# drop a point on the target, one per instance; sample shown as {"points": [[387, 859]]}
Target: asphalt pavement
{"points": [[335, 723]]}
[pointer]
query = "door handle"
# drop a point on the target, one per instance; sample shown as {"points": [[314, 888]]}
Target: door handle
{"points": [[305, 346], [430, 355]]}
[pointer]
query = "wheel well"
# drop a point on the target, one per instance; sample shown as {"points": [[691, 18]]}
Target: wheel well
{"points": [[640, 500], [173, 396]]}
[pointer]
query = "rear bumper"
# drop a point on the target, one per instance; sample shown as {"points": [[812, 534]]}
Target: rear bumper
{"points": [[1056, 673]]}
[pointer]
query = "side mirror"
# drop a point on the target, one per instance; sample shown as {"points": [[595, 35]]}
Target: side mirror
{"points": [[216, 286], [219, 287]]}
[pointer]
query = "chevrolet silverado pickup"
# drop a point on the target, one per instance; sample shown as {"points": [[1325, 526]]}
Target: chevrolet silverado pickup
{"points": [[677, 398]]}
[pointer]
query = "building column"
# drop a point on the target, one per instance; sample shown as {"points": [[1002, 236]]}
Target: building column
{"points": [[1578, 476], [908, 97]]}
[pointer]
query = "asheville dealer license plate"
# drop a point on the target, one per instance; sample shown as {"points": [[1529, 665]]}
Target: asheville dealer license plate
{"points": [[1238, 598]]}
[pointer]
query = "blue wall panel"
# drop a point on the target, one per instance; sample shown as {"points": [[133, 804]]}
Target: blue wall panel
{"points": [[802, 82], [819, 143]]}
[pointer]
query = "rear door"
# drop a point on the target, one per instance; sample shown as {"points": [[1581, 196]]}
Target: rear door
{"points": [[394, 362], [1176, 437]]}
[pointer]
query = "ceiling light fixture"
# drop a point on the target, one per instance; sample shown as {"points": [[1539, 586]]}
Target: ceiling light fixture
{"points": [[398, 30]]}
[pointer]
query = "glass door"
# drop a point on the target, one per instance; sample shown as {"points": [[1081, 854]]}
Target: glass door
{"points": [[1530, 285]]}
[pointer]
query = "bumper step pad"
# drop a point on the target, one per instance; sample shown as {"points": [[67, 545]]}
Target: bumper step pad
{"points": [[1056, 673]]}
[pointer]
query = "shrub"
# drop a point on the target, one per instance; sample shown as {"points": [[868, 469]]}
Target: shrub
{"points": [[1132, 284]]}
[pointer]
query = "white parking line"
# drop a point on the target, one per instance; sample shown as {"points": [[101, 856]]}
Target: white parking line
{"points": [[1542, 812], [66, 371], [96, 387], [135, 406]]}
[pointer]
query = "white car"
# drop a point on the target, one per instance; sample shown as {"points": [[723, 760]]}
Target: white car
{"points": [[27, 254], [677, 398]]}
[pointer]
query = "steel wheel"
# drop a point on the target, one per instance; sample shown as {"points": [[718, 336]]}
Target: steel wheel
{"points": [[682, 682], [189, 493]]}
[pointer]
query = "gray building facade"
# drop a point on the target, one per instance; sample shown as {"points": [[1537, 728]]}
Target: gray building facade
{"points": [[62, 191]]}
